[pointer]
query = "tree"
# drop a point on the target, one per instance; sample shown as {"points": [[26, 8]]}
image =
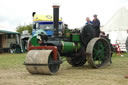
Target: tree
{"points": [[20, 29]]}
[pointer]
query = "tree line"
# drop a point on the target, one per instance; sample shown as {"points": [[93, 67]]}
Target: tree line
{"points": [[21, 28]]}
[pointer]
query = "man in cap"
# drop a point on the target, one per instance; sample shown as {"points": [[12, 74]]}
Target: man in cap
{"points": [[96, 25]]}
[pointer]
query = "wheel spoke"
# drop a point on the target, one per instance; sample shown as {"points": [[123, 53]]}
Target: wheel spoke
{"points": [[99, 53]]}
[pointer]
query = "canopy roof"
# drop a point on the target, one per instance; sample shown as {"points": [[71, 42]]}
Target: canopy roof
{"points": [[8, 32], [44, 18]]}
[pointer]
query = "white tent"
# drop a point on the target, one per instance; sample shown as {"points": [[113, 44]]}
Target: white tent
{"points": [[117, 27]]}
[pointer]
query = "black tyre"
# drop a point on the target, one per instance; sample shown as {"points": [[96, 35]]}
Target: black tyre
{"points": [[76, 61]]}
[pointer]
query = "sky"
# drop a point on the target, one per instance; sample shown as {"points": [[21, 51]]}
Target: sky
{"points": [[73, 12]]}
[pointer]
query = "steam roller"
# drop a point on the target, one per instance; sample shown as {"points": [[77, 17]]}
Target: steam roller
{"points": [[77, 45]]}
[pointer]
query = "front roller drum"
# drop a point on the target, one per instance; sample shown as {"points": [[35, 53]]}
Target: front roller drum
{"points": [[98, 52], [41, 62]]}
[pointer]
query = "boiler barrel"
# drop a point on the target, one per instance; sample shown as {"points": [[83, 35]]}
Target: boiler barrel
{"points": [[68, 47]]}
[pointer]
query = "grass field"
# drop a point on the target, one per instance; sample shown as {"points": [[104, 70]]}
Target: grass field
{"points": [[13, 72]]}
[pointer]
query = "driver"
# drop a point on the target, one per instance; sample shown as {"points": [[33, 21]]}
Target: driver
{"points": [[96, 25]]}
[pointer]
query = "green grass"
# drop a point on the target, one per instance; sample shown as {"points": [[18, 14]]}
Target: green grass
{"points": [[16, 60], [11, 60]]}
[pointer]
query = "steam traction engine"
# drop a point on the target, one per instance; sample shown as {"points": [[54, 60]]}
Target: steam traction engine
{"points": [[78, 46]]}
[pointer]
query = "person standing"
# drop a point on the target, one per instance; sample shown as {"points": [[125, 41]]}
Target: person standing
{"points": [[96, 25], [88, 21], [126, 44]]}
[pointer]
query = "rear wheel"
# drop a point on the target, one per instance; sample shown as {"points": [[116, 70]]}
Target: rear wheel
{"points": [[98, 52]]}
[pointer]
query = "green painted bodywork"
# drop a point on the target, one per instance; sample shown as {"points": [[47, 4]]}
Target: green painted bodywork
{"points": [[34, 40], [67, 46], [70, 47], [67, 33], [76, 37]]}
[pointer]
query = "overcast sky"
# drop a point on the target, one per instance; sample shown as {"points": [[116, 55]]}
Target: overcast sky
{"points": [[73, 12]]}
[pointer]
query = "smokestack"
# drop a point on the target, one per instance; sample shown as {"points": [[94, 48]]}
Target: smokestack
{"points": [[56, 19]]}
